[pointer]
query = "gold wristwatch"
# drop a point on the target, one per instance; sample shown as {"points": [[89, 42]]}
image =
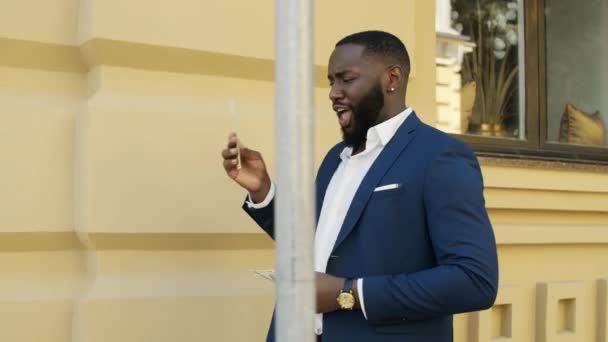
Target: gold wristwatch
{"points": [[346, 298]]}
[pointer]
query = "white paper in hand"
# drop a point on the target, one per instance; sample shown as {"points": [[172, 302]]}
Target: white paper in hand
{"points": [[235, 120], [266, 274]]}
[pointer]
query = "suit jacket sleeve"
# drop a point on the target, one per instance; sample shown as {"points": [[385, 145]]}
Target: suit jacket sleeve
{"points": [[466, 275], [264, 217]]}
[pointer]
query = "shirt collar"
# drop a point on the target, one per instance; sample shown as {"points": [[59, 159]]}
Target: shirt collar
{"points": [[380, 134], [386, 130]]}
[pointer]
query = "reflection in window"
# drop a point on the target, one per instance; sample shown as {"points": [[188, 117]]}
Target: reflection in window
{"points": [[479, 74], [577, 71]]}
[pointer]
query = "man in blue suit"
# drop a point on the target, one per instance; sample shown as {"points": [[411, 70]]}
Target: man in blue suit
{"points": [[403, 239]]}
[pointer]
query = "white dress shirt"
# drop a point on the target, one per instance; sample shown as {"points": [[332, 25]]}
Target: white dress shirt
{"points": [[340, 193]]}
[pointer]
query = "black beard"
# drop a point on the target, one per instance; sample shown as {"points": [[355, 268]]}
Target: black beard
{"points": [[365, 115]]}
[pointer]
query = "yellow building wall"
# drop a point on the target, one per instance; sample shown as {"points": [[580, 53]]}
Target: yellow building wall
{"points": [[118, 224]]}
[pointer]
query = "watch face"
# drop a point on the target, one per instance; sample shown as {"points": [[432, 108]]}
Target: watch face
{"points": [[346, 300]]}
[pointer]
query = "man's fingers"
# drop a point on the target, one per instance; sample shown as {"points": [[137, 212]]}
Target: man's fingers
{"points": [[229, 164], [250, 154], [233, 139], [229, 153], [231, 144]]}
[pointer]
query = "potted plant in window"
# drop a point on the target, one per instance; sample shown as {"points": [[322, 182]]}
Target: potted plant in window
{"points": [[492, 66]]}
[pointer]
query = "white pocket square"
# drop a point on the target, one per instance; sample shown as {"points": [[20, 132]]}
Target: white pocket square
{"points": [[387, 187]]}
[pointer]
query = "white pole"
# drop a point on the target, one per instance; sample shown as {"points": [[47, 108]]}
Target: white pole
{"points": [[294, 205]]}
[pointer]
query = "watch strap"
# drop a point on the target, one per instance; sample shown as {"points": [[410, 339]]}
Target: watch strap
{"points": [[348, 285]]}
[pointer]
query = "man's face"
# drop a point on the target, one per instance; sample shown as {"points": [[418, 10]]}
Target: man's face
{"points": [[356, 92]]}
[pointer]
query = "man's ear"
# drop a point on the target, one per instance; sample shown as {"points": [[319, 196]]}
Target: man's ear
{"points": [[394, 76]]}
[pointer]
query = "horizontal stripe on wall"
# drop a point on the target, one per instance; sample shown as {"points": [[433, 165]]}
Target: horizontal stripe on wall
{"points": [[42, 56], [506, 234], [95, 52]]}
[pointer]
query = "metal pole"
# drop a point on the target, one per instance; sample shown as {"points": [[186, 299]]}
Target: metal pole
{"points": [[295, 209]]}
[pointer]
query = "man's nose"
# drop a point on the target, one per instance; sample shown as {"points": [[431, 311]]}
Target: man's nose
{"points": [[335, 93]]}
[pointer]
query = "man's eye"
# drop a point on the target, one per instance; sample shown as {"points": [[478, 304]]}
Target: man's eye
{"points": [[348, 80]]}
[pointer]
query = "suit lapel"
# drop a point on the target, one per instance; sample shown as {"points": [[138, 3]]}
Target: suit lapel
{"points": [[385, 160]]}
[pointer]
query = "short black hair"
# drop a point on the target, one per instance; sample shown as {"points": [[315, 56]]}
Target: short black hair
{"points": [[382, 44]]}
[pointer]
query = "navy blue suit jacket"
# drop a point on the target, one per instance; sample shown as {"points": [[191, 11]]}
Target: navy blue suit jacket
{"points": [[425, 250]]}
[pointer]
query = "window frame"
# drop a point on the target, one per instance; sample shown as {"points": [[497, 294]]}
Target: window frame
{"points": [[535, 145]]}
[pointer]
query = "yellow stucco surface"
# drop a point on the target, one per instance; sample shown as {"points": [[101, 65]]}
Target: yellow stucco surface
{"points": [[118, 224]]}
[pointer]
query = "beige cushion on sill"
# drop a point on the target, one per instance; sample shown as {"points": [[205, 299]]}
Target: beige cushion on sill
{"points": [[467, 101], [579, 127]]}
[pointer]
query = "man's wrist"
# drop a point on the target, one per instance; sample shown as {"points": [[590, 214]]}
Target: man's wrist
{"points": [[260, 195], [353, 290]]}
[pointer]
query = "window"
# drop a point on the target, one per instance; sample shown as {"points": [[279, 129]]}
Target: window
{"points": [[525, 77]]}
